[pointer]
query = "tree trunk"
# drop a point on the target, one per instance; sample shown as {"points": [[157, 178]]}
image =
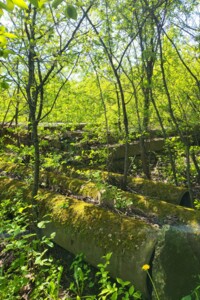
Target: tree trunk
{"points": [[35, 141]]}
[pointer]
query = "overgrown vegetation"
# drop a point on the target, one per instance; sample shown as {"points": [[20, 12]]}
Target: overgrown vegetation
{"points": [[123, 70], [81, 81], [28, 270]]}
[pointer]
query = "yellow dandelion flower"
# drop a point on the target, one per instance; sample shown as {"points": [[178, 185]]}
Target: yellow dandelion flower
{"points": [[145, 267]]}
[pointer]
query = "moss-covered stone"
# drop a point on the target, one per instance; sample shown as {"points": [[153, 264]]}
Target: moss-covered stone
{"points": [[163, 212], [176, 264], [118, 151], [171, 251], [83, 227], [94, 231], [152, 189]]}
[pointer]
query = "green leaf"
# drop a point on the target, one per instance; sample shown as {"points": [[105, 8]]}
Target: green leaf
{"points": [[10, 5], [5, 53], [137, 295], [80, 3], [122, 282], [34, 2], [42, 224], [4, 85], [114, 296], [52, 236], [21, 209], [108, 256], [131, 290], [71, 12], [20, 3], [49, 243], [56, 3], [188, 297], [10, 35], [3, 5]]}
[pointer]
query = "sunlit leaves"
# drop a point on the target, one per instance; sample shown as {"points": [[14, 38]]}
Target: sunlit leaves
{"points": [[40, 3], [10, 5], [4, 35], [4, 53], [10, 35], [42, 224], [71, 12], [3, 5], [3, 41], [80, 3], [56, 3], [35, 3], [20, 3], [4, 85]]}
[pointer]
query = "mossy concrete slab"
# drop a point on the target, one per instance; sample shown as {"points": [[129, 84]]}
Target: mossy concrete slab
{"points": [[171, 251], [152, 189], [167, 192], [176, 263], [94, 231], [81, 227]]}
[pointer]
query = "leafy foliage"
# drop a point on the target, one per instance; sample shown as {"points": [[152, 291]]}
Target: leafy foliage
{"points": [[25, 265], [27, 269]]}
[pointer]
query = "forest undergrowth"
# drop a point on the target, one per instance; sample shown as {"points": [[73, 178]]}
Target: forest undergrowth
{"points": [[31, 268], [29, 263]]}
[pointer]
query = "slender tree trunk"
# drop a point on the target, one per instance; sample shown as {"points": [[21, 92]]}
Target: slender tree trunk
{"points": [[147, 73], [187, 154], [122, 97], [119, 108], [171, 112], [104, 109], [193, 156], [172, 161], [35, 142], [6, 114], [126, 127]]}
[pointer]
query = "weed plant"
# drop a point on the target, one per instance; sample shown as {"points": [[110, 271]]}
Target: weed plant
{"points": [[27, 271]]}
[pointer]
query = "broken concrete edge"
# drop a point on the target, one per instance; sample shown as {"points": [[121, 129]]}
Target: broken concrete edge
{"points": [[81, 227]]}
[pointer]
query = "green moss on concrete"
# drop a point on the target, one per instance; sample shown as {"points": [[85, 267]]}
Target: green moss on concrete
{"points": [[80, 215], [163, 211], [158, 190], [176, 262], [151, 189], [83, 227]]}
